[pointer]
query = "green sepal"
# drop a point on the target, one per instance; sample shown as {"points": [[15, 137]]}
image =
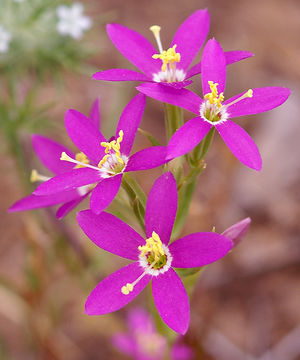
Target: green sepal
{"points": [[153, 141]]}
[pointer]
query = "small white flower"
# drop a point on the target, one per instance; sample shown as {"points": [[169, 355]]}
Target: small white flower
{"points": [[5, 38], [71, 21]]}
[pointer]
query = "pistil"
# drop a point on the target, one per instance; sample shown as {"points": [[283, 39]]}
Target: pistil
{"points": [[169, 59], [35, 176]]}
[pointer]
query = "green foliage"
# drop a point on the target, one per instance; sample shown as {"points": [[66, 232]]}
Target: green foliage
{"points": [[36, 45]]}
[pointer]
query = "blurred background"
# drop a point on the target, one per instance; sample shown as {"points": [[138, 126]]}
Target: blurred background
{"points": [[245, 306]]}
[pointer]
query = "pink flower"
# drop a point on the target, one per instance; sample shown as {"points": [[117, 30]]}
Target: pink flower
{"points": [[154, 258], [49, 152], [171, 67], [213, 111]]}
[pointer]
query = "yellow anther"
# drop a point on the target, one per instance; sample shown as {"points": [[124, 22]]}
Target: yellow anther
{"points": [[112, 145], [127, 289], [105, 157], [153, 246], [213, 97], [81, 157], [168, 57]]}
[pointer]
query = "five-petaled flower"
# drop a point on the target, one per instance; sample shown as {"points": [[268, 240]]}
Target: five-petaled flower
{"points": [[169, 67], [154, 258], [101, 163], [71, 20], [213, 112], [141, 341], [49, 152]]}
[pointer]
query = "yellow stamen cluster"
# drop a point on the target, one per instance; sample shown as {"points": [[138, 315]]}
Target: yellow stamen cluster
{"points": [[115, 146], [168, 57], [81, 157], [213, 97], [153, 246]]}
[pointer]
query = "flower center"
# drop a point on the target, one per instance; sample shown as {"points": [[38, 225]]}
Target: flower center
{"points": [[150, 343], [169, 58], [112, 163], [212, 110], [155, 258]]}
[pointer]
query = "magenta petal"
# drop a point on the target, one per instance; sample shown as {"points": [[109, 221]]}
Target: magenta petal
{"points": [[107, 296], [230, 57], [68, 181], [264, 99], [35, 202], [187, 137], [95, 114], [161, 207], [237, 55], [130, 120], [180, 351], [179, 97], [49, 152], [104, 193], [66, 208], [147, 159], [240, 144], [120, 75], [237, 231], [177, 84], [110, 234], [190, 37], [85, 135], [171, 301], [124, 343], [199, 249], [139, 321], [213, 66], [134, 47]]}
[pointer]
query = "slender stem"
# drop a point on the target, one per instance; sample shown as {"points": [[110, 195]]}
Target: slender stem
{"points": [[173, 119], [201, 149], [137, 198], [135, 187], [184, 200]]}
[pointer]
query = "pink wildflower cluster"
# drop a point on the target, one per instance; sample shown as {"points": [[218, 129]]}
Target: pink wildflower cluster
{"points": [[98, 168]]}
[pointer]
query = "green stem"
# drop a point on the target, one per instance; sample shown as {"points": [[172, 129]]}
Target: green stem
{"points": [[173, 119], [184, 200], [137, 198], [135, 187], [201, 149]]}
